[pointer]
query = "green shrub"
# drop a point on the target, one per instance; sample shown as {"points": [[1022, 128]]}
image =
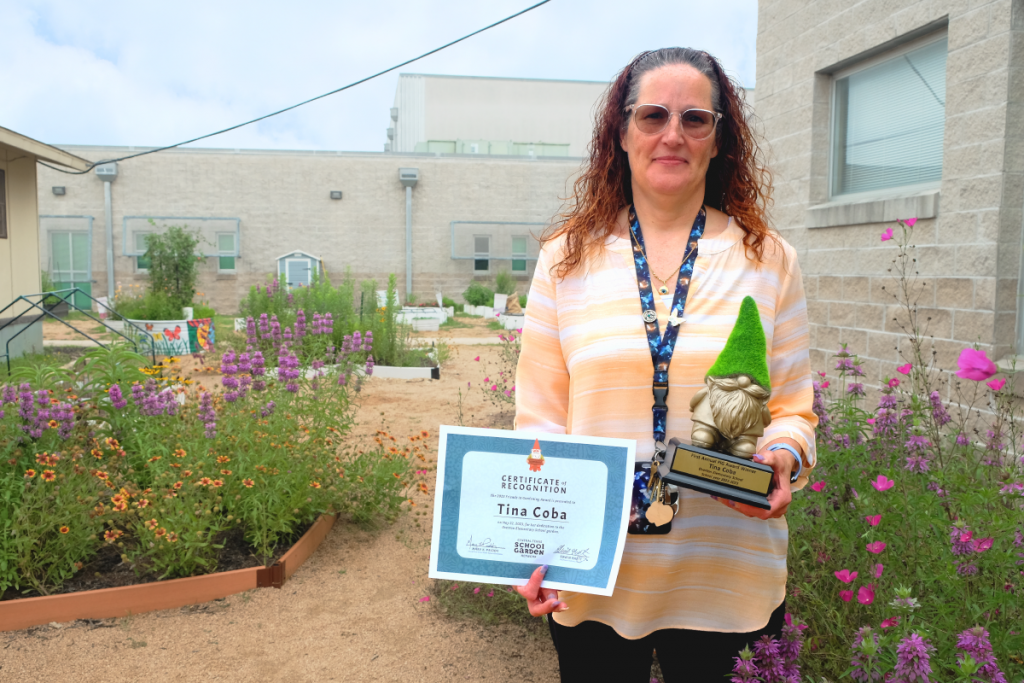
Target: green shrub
{"points": [[201, 312], [174, 264], [153, 305], [522, 301], [478, 295], [450, 303], [504, 283]]}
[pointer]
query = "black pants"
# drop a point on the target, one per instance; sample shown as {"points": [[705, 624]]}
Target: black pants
{"points": [[593, 652]]}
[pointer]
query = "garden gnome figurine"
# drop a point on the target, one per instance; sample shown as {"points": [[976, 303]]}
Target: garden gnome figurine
{"points": [[513, 307], [731, 411]]}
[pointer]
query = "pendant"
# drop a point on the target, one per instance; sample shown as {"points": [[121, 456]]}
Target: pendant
{"points": [[658, 513], [663, 289]]}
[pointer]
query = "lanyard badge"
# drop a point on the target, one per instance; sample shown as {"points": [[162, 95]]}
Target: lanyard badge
{"points": [[650, 510]]}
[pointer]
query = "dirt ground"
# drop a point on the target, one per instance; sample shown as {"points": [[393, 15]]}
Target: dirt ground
{"points": [[351, 613]]}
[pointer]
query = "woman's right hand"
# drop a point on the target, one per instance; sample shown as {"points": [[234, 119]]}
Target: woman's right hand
{"points": [[540, 600]]}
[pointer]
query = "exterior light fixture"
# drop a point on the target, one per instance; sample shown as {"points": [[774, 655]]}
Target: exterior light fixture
{"points": [[394, 113], [59, 190], [335, 194]]}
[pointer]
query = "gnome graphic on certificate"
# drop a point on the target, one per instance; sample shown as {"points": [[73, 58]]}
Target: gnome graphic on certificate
{"points": [[731, 411], [536, 460]]}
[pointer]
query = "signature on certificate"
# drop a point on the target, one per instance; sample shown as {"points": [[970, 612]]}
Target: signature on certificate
{"points": [[577, 555], [486, 543]]}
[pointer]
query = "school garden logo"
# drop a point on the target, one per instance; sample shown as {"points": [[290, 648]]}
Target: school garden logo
{"points": [[536, 460]]}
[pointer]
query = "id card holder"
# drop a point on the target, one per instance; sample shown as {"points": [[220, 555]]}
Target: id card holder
{"points": [[642, 499]]}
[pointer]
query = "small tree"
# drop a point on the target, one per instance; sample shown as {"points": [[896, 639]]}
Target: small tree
{"points": [[174, 264], [504, 283]]}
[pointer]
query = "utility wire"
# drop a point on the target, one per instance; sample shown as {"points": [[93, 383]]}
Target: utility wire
{"points": [[312, 99]]}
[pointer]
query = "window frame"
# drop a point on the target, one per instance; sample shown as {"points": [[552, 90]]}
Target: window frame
{"points": [[519, 257], [232, 253], [138, 267], [484, 256], [867, 63]]}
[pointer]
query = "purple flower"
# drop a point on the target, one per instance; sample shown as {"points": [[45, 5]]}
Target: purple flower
{"points": [[115, 396], [975, 642], [369, 365], [328, 324], [769, 660], [268, 410], [208, 415], [917, 463], [961, 439], [865, 664], [912, 660], [745, 669], [231, 396], [939, 413], [855, 389], [292, 387]]}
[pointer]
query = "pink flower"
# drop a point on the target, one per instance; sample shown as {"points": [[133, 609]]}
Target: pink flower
{"points": [[818, 486], [887, 235], [982, 544], [846, 595], [883, 483], [455, 587], [477, 358], [879, 568], [874, 520], [425, 598], [871, 420], [875, 547], [996, 384], [491, 594], [975, 365], [893, 383], [494, 387], [519, 330], [866, 594], [904, 369], [822, 374], [909, 222], [476, 590], [846, 576], [824, 385], [891, 621]]}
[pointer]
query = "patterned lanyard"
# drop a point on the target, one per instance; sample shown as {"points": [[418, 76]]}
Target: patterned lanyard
{"points": [[662, 346]]}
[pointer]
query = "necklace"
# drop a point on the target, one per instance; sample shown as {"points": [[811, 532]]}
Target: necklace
{"points": [[664, 281]]}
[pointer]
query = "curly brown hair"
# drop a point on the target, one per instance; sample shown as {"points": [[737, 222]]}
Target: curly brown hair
{"points": [[737, 181]]}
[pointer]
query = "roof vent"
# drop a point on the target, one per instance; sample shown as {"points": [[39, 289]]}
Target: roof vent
{"points": [[107, 172]]}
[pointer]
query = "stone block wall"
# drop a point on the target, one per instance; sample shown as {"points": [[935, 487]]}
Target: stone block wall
{"points": [[968, 238], [283, 202]]}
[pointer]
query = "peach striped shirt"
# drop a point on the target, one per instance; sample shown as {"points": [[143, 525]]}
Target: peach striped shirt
{"points": [[586, 368]]}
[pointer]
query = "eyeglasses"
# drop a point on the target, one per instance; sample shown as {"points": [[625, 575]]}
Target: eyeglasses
{"points": [[698, 124]]}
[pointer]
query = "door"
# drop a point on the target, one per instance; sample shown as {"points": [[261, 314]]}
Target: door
{"points": [[70, 264], [297, 271]]}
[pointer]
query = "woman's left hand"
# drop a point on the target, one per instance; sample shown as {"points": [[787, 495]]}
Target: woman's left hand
{"points": [[782, 463]]}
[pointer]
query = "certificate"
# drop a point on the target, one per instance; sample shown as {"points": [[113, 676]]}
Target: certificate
{"points": [[508, 501]]}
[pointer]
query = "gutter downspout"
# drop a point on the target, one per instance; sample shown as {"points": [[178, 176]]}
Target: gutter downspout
{"points": [[107, 209], [408, 242]]}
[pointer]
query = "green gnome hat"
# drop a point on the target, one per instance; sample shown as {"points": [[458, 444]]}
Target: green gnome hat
{"points": [[745, 352]]}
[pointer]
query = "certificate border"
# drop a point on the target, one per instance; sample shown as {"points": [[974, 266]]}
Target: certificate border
{"points": [[599, 581]]}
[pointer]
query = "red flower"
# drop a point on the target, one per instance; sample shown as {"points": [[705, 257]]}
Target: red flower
{"points": [[217, 483], [64, 529], [818, 486], [248, 483], [314, 484], [891, 621], [48, 475], [177, 485], [180, 453], [160, 532], [205, 481], [112, 535], [226, 473], [221, 459], [29, 474], [151, 524], [876, 547], [172, 537]]}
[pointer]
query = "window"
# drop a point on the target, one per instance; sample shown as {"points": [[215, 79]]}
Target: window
{"points": [[481, 253], [142, 263], [226, 252], [519, 254], [888, 120], [3, 204]]}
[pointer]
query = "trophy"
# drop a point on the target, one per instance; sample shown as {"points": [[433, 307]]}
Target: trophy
{"points": [[729, 415]]}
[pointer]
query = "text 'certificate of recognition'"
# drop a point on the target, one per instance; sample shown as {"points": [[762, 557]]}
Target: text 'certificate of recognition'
{"points": [[506, 502]]}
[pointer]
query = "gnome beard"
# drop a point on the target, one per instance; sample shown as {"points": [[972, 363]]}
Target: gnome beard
{"points": [[731, 410]]}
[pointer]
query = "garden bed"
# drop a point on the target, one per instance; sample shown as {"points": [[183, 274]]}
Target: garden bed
{"points": [[127, 597]]}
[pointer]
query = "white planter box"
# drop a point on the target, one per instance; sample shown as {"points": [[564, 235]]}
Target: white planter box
{"points": [[408, 314], [485, 311], [392, 372], [513, 322], [115, 325], [426, 325]]}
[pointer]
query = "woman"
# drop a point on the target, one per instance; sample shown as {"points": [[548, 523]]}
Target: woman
{"points": [[673, 172]]}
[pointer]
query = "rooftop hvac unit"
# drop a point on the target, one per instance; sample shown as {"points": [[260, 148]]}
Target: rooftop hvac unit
{"points": [[394, 113], [391, 133]]}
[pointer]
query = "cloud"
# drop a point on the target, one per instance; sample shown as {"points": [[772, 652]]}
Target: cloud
{"points": [[120, 73]]}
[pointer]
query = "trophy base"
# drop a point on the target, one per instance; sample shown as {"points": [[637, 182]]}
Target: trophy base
{"points": [[720, 474]]}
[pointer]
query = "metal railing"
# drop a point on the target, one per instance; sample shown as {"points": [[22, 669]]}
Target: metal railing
{"points": [[68, 296]]}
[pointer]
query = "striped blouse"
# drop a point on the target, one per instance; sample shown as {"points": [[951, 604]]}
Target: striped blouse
{"points": [[585, 368]]}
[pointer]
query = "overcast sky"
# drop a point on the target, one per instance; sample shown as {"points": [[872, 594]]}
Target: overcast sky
{"points": [[150, 74]]}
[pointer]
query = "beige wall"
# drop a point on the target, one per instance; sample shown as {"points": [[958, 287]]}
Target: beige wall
{"points": [[19, 253], [283, 202], [512, 109], [969, 238]]}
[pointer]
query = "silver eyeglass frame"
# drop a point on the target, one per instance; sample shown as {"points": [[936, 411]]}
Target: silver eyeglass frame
{"points": [[632, 111]]}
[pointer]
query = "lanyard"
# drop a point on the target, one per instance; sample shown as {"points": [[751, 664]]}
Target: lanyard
{"points": [[662, 346]]}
